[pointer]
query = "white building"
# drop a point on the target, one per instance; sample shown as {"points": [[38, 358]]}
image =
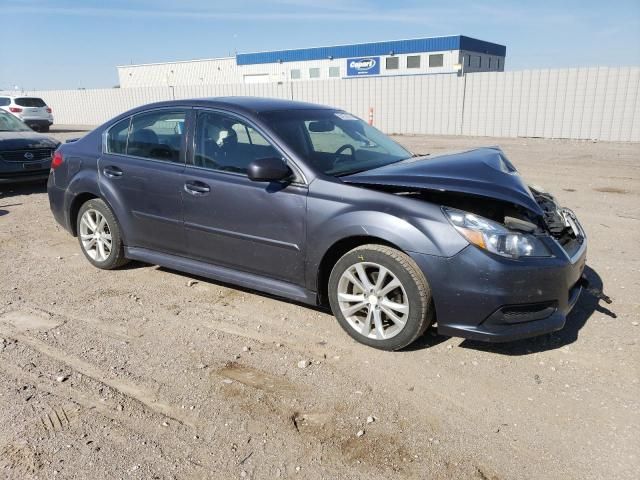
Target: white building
{"points": [[420, 56]]}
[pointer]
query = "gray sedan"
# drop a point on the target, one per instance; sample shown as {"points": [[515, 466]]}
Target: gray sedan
{"points": [[312, 204]]}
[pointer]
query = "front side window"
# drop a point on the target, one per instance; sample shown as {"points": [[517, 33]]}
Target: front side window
{"points": [[157, 135], [314, 73], [436, 60], [30, 102], [295, 74], [117, 137], [413, 61], [334, 142], [227, 144], [392, 63]]}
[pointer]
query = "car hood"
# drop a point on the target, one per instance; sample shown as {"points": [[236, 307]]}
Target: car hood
{"points": [[25, 140], [485, 172]]}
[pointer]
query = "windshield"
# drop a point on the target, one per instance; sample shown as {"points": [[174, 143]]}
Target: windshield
{"points": [[335, 142], [9, 123]]}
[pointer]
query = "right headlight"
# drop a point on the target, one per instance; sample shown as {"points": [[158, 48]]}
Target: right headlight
{"points": [[494, 237]]}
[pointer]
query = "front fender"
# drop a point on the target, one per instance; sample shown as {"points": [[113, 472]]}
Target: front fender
{"points": [[338, 211]]}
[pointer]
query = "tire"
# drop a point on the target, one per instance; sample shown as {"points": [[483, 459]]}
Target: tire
{"points": [[105, 258], [404, 288], [44, 128]]}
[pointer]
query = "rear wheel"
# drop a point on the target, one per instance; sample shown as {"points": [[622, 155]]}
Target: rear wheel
{"points": [[99, 235], [380, 297]]}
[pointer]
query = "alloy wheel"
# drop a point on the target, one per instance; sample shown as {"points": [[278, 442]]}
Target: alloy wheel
{"points": [[373, 300], [95, 235]]}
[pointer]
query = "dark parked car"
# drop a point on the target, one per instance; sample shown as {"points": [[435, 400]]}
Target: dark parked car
{"points": [[24, 154], [312, 204]]}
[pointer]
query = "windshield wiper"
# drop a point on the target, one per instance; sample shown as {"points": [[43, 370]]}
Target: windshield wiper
{"points": [[352, 172]]}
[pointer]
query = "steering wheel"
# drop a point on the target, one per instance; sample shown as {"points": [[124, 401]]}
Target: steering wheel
{"points": [[346, 146]]}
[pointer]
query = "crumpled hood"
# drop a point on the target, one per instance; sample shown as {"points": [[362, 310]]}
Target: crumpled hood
{"points": [[484, 171], [25, 140]]}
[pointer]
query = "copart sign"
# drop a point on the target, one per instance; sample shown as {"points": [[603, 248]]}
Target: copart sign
{"points": [[363, 66]]}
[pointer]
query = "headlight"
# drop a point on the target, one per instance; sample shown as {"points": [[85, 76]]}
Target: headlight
{"points": [[495, 237]]}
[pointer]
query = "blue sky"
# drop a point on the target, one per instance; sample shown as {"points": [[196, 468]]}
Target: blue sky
{"points": [[51, 44]]}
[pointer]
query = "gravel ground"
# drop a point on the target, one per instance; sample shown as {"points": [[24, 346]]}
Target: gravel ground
{"points": [[148, 373]]}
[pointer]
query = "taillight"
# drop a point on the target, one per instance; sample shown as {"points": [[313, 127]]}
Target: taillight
{"points": [[57, 160], [15, 109], [49, 110]]}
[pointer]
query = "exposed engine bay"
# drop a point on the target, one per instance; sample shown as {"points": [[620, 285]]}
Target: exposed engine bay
{"points": [[558, 222]]}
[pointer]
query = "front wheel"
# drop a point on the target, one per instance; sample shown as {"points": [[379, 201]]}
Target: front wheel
{"points": [[380, 297], [99, 235]]}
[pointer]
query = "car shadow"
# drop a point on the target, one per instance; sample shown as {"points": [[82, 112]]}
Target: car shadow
{"points": [[15, 189], [585, 307], [231, 286], [431, 338]]}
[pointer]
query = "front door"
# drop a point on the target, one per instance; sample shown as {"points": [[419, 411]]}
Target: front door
{"points": [[231, 221], [141, 174]]}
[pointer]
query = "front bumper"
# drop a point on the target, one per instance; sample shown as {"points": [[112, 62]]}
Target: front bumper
{"points": [[486, 297]]}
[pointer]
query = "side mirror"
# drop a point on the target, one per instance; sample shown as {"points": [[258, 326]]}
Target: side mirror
{"points": [[268, 170]]}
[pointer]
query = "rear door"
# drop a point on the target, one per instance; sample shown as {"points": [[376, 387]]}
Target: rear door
{"points": [[142, 171], [257, 227]]}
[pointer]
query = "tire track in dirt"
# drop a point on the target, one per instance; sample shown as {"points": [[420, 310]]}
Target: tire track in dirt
{"points": [[128, 389]]}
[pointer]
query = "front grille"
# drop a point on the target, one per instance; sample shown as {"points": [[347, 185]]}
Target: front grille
{"points": [[32, 155]]}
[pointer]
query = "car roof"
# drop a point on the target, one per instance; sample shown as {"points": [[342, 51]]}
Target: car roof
{"points": [[17, 96], [252, 105]]}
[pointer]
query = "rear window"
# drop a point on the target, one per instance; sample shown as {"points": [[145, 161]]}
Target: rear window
{"points": [[4, 101], [30, 102]]}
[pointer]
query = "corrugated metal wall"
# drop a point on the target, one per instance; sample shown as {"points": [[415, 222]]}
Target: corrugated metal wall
{"points": [[582, 103]]}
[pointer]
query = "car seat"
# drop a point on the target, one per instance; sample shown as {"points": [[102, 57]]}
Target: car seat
{"points": [[142, 142]]}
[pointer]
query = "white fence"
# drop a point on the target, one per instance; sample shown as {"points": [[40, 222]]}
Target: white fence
{"points": [[578, 103]]}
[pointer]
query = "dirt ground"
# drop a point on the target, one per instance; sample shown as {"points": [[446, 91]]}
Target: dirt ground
{"points": [[148, 373]]}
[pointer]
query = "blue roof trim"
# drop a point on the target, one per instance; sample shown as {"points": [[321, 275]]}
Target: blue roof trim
{"points": [[480, 46], [418, 45]]}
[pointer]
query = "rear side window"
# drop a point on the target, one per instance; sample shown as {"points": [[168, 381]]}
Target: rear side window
{"points": [[117, 137], [4, 101], [30, 102], [157, 135]]}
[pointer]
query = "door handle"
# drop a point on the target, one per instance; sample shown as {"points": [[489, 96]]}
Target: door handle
{"points": [[112, 172], [196, 188]]}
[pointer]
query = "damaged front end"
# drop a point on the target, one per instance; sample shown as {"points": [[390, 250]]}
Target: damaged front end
{"points": [[523, 271], [485, 199]]}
